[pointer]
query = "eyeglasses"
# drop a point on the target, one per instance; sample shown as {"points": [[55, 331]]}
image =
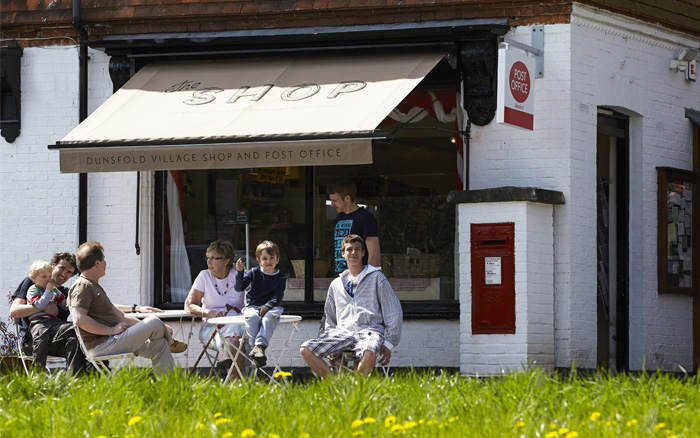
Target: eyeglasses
{"points": [[211, 259]]}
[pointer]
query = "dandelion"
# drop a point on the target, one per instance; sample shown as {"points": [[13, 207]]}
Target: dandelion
{"points": [[199, 426], [222, 420], [226, 435], [95, 412], [357, 423], [8, 422], [431, 423], [369, 420], [553, 426], [551, 434], [358, 433], [129, 435], [389, 421], [273, 435], [133, 420], [520, 424], [218, 414], [409, 424], [247, 433], [595, 415], [660, 426], [452, 419], [673, 436], [562, 431], [279, 374], [631, 423], [305, 435], [396, 428], [101, 436], [572, 434]]}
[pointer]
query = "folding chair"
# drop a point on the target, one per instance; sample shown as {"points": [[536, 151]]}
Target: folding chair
{"points": [[99, 361], [211, 357], [24, 358], [348, 361]]}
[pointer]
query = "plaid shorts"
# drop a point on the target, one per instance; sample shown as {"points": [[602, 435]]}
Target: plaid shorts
{"points": [[338, 340]]}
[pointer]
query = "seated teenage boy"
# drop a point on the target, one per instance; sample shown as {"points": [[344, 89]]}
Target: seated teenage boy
{"points": [[362, 313]]}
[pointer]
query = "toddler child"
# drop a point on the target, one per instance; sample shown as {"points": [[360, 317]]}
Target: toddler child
{"points": [[264, 298], [43, 326]]}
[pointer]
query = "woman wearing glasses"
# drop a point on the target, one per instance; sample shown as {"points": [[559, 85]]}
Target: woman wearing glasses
{"points": [[212, 295]]}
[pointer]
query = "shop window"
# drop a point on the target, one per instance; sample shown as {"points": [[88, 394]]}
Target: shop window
{"points": [[406, 187], [678, 264]]}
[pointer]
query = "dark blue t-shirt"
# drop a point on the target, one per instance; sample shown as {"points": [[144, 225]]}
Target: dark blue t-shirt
{"points": [[360, 222]]}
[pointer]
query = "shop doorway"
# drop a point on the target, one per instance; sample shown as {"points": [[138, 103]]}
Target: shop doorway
{"points": [[612, 193]]}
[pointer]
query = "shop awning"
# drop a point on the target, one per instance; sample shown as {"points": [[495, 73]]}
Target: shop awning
{"points": [[249, 113]]}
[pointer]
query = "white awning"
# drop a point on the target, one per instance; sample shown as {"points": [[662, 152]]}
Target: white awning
{"points": [[250, 113]]}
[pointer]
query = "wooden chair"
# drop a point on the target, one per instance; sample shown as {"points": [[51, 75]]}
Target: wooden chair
{"points": [[99, 361]]}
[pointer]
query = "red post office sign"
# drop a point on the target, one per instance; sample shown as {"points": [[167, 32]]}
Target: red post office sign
{"points": [[516, 80]]}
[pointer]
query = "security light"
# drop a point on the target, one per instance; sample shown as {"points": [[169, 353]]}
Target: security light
{"points": [[686, 56]]}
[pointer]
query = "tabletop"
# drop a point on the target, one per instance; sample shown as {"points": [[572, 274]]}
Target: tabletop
{"points": [[240, 319], [162, 315]]}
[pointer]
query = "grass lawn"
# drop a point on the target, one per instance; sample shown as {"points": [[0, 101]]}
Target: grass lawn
{"points": [[533, 403]]}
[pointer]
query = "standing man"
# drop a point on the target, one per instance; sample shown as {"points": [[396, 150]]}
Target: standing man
{"points": [[352, 219], [362, 313], [64, 342], [105, 328]]}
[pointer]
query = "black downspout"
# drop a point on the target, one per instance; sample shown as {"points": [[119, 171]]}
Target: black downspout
{"points": [[82, 115]]}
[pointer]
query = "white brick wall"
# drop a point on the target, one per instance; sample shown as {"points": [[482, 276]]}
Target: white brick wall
{"points": [[601, 60]]}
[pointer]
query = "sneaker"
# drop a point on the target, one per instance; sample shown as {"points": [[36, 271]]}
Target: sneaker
{"points": [[178, 346], [258, 351], [224, 364]]}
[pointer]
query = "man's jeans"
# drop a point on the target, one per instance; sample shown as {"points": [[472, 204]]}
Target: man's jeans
{"points": [[149, 338]]}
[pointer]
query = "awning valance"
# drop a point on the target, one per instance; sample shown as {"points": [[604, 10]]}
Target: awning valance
{"points": [[248, 113]]}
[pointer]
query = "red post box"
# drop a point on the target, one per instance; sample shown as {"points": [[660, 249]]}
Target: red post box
{"points": [[493, 278]]}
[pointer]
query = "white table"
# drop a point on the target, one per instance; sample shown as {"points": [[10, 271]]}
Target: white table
{"points": [[240, 319]]}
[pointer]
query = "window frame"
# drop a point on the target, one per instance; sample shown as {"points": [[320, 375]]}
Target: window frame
{"points": [[665, 174]]}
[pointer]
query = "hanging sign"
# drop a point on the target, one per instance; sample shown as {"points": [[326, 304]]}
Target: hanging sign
{"points": [[516, 99]]}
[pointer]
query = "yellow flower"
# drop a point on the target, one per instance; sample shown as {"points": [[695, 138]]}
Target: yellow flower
{"points": [[409, 424], [631, 423], [8, 422], [660, 426], [305, 435], [431, 423], [520, 424], [551, 434], [369, 420], [396, 428], [218, 414], [247, 433], [673, 436], [453, 419], [389, 421], [608, 423], [358, 433], [273, 435], [552, 426], [129, 435], [101, 436], [95, 412], [222, 420], [572, 435], [595, 415], [357, 423], [133, 420], [279, 374], [562, 431], [199, 426], [226, 435]]}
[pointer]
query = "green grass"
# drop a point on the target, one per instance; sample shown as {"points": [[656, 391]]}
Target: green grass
{"points": [[531, 403]]}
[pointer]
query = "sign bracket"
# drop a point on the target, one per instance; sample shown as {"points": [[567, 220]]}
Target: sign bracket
{"points": [[536, 49]]}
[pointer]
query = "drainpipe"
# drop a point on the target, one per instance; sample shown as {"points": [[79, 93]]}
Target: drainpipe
{"points": [[82, 115]]}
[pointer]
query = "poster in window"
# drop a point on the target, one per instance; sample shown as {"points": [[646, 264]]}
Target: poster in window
{"points": [[677, 261]]}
